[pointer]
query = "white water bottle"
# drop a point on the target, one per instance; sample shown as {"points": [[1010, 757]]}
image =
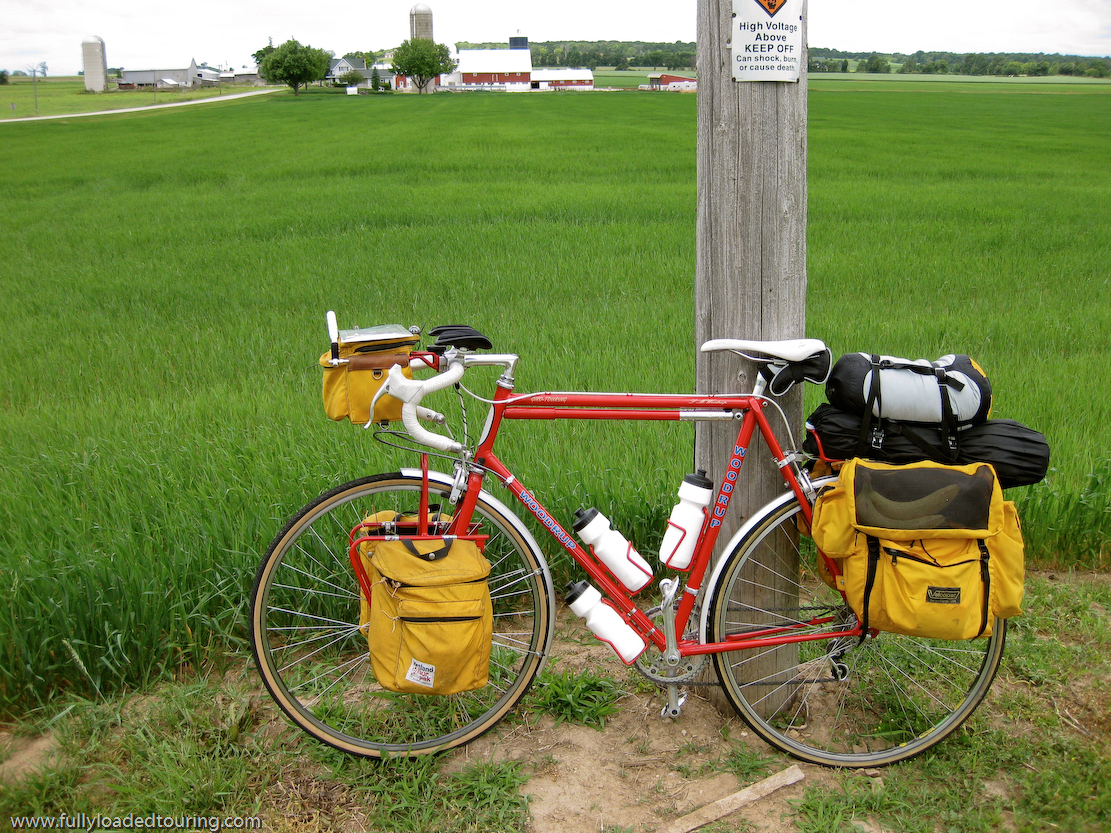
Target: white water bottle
{"points": [[605, 622], [677, 547], [612, 549]]}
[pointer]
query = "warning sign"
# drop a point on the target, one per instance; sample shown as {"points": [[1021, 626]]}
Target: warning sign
{"points": [[766, 40]]}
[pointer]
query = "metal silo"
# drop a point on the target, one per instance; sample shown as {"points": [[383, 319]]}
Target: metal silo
{"points": [[96, 64], [420, 22]]}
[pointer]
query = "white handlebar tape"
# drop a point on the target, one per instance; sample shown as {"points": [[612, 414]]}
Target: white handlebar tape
{"points": [[412, 392]]}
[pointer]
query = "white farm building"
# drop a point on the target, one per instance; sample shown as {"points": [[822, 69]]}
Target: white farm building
{"points": [[562, 79], [491, 69], [190, 76], [510, 70]]}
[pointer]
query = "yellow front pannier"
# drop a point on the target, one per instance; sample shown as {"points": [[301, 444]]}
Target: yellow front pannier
{"points": [[429, 618], [924, 549]]}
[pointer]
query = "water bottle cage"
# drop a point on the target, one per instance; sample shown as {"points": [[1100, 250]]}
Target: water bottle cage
{"points": [[678, 544], [629, 552]]}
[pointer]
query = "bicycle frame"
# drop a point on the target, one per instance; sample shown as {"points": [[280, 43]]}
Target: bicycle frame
{"points": [[748, 409]]}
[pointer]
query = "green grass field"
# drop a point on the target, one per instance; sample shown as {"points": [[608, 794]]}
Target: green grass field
{"points": [[165, 277]]}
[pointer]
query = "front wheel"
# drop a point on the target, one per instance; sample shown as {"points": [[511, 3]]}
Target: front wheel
{"points": [[314, 658], [834, 701]]}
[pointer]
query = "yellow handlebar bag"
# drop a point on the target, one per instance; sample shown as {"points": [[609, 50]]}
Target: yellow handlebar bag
{"points": [[429, 621], [924, 549], [350, 387]]}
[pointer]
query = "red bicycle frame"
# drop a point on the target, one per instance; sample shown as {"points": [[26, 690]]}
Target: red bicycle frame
{"points": [[641, 406]]}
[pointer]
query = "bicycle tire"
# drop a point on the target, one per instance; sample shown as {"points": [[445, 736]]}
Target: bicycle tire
{"points": [[898, 695], [314, 659]]}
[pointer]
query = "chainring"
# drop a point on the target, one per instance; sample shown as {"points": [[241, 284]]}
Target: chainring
{"points": [[651, 664], [685, 673]]}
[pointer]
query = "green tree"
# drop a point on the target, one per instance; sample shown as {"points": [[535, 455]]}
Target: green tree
{"points": [[679, 60], [375, 79], [422, 60], [295, 65], [351, 78], [3, 76], [262, 53], [874, 64]]}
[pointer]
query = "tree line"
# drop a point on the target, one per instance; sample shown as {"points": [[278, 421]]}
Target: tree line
{"points": [[955, 63]]}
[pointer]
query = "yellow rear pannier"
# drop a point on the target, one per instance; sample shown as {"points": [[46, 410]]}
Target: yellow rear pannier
{"points": [[924, 549]]}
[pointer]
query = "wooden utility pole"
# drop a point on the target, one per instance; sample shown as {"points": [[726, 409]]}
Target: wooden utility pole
{"points": [[750, 273]]}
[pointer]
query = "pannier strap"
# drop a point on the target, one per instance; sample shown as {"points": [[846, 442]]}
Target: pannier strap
{"points": [[869, 583], [434, 555]]}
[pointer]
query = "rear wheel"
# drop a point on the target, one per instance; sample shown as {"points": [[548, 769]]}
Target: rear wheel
{"points": [[314, 659], [834, 701]]}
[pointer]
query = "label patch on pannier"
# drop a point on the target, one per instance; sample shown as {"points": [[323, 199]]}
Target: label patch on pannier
{"points": [[421, 673], [943, 595]]}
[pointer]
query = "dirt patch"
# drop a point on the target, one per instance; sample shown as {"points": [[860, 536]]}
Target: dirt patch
{"points": [[641, 771], [23, 755]]}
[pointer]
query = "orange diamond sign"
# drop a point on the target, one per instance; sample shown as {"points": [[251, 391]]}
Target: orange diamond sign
{"points": [[771, 6]]}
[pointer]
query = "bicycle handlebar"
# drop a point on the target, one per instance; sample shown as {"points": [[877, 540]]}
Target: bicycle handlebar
{"points": [[411, 392]]}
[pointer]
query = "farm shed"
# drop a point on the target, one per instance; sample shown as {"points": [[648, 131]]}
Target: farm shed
{"points": [[673, 83], [190, 76], [562, 79]]}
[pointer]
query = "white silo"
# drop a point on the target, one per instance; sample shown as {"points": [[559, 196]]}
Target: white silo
{"points": [[96, 64], [420, 22]]}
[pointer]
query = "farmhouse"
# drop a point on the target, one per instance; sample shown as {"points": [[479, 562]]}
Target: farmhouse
{"points": [[341, 66]]}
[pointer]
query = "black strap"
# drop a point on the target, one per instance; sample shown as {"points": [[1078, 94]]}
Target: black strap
{"points": [[873, 564], [985, 577], [939, 454], [867, 438], [871, 437], [434, 555]]}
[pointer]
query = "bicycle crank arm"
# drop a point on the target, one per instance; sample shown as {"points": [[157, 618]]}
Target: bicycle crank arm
{"points": [[675, 702]]}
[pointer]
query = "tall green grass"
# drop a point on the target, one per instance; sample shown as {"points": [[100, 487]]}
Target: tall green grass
{"points": [[165, 283]]}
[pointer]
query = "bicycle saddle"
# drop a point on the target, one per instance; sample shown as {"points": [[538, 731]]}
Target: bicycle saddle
{"points": [[783, 364], [457, 335]]}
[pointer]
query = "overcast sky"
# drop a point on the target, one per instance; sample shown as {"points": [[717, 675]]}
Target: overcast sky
{"points": [[169, 35]]}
